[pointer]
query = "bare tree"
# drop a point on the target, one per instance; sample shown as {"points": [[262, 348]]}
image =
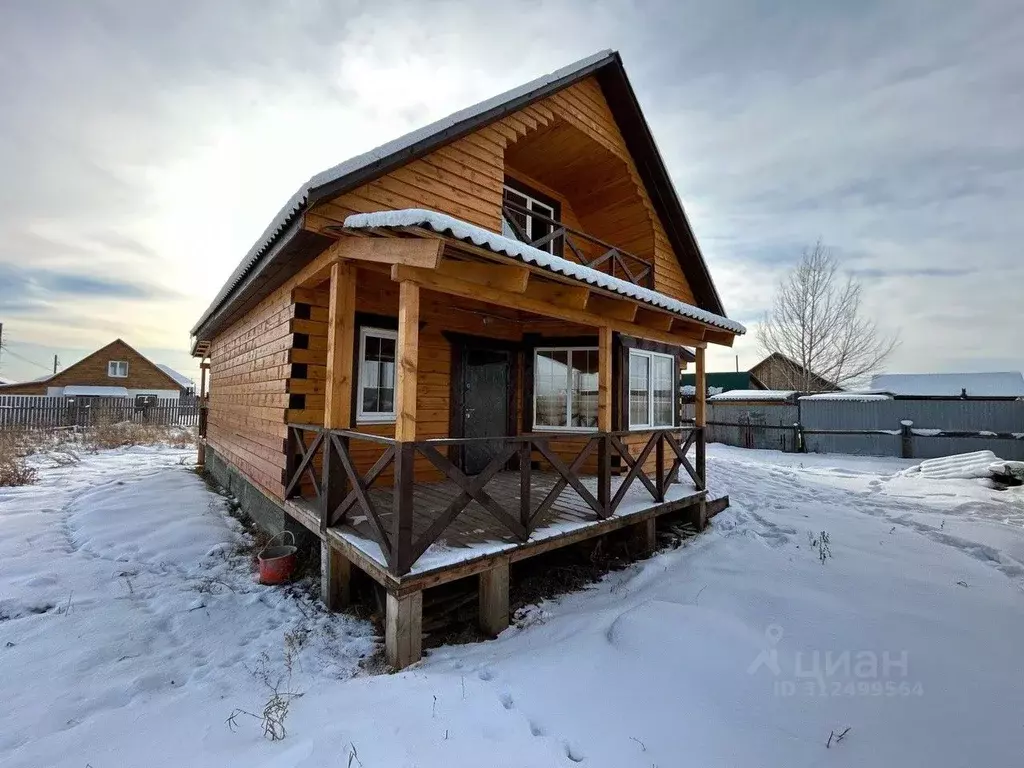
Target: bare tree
{"points": [[816, 322]]}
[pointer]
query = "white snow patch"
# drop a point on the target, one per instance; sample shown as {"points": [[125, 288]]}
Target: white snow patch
{"points": [[735, 626], [859, 397], [767, 395]]}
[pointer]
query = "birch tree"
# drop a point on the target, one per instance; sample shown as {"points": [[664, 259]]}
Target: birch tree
{"points": [[817, 322]]}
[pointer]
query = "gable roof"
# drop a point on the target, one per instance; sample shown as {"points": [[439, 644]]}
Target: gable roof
{"points": [[285, 236], [182, 379], [997, 384], [796, 366]]}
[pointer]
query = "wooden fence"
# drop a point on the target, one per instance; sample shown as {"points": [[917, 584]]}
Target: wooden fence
{"points": [[42, 412]]}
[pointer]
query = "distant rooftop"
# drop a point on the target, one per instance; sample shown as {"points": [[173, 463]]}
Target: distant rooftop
{"points": [[981, 385], [181, 378]]}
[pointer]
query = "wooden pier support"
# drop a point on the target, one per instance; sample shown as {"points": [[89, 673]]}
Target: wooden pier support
{"points": [[403, 631], [494, 598], [645, 537], [335, 578]]}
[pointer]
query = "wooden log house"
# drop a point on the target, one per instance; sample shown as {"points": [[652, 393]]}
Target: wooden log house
{"points": [[463, 348]]}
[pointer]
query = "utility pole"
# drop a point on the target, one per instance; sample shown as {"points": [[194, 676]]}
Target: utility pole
{"points": [[1, 339], [56, 362]]}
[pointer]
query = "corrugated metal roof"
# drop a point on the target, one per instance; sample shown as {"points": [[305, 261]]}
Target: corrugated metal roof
{"points": [[461, 230], [994, 384]]}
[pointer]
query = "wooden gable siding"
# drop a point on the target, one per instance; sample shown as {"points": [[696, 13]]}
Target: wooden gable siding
{"points": [[464, 179], [91, 371]]}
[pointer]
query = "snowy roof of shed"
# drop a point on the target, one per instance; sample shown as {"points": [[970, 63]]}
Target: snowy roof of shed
{"points": [[448, 225], [606, 65], [997, 384], [862, 397], [766, 395]]}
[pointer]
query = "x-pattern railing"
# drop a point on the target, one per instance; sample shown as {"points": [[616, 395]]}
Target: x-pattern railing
{"points": [[340, 488], [613, 260]]}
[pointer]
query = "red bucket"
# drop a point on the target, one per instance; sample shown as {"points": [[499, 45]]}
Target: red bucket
{"points": [[277, 563]]}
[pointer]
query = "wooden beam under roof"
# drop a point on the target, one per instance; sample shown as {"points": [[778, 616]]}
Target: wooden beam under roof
{"points": [[431, 280]]}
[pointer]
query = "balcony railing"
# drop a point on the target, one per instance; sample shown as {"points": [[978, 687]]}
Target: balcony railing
{"points": [[606, 258], [340, 489]]}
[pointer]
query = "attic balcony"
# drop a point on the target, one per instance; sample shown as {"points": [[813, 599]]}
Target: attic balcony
{"points": [[587, 250]]}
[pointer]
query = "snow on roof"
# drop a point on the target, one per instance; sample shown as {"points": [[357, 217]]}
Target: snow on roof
{"points": [[768, 395], [86, 391], [862, 397], [297, 202], [6, 381], [999, 384], [182, 379], [442, 223]]}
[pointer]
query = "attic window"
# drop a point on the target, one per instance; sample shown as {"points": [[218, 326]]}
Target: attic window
{"points": [[527, 218], [117, 369]]}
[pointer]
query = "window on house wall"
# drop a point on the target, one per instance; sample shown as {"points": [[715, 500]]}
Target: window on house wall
{"points": [[565, 388], [376, 375], [118, 369], [651, 389], [530, 216]]}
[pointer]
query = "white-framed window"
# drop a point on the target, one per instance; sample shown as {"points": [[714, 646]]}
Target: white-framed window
{"points": [[565, 388], [117, 369], [377, 348], [533, 227], [651, 389]]}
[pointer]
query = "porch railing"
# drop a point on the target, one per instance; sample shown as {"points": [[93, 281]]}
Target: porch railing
{"points": [[612, 260], [339, 488]]}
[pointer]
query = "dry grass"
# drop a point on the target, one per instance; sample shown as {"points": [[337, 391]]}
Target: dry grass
{"points": [[62, 446], [102, 435], [14, 470]]}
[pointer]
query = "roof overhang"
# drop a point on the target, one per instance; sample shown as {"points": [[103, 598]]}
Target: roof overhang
{"points": [[76, 390], [417, 222]]}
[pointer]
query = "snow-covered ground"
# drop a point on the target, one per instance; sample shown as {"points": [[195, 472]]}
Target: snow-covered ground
{"points": [[130, 627]]}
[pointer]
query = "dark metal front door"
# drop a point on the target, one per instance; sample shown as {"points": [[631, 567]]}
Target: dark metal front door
{"points": [[486, 387]]}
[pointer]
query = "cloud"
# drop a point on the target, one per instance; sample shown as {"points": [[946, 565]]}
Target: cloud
{"points": [[145, 148]]}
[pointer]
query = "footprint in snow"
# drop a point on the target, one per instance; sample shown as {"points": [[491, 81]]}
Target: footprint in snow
{"points": [[485, 675], [506, 701]]}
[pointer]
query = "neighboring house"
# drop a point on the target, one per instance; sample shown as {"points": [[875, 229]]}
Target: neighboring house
{"points": [[720, 382], [780, 373], [469, 336], [1006, 385], [115, 370]]}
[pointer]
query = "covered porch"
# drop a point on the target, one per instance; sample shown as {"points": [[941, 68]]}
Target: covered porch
{"points": [[423, 497]]}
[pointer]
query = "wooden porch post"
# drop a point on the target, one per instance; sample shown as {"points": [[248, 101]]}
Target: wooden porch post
{"points": [[406, 362], [335, 570], [204, 366], [341, 328], [403, 630], [406, 368], [604, 416], [700, 422]]}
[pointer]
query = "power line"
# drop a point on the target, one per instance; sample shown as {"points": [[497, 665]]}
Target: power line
{"points": [[23, 359]]}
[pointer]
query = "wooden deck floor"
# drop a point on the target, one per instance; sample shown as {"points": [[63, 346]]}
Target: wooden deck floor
{"points": [[476, 536]]}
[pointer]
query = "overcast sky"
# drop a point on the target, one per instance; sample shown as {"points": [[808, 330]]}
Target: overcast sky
{"points": [[145, 145]]}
